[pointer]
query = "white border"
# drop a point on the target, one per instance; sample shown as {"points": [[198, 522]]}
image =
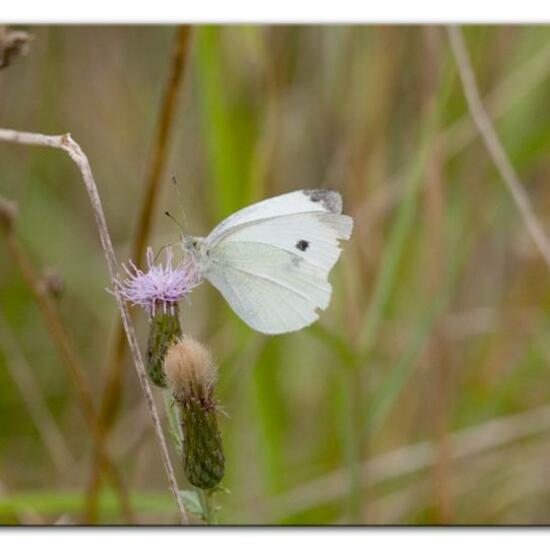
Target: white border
{"points": [[279, 11], [268, 539]]}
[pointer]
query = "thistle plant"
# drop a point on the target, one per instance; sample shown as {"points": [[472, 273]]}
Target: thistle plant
{"points": [[159, 291], [181, 364]]}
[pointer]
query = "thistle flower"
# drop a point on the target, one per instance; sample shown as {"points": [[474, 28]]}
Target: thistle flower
{"points": [[162, 285], [191, 374], [158, 291]]}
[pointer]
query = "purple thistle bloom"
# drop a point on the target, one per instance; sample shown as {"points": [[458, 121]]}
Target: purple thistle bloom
{"points": [[162, 285]]}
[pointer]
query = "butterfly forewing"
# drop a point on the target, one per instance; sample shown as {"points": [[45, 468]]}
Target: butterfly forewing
{"points": [[309, 200], [312, 237]]}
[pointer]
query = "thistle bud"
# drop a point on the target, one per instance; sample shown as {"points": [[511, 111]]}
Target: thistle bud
{"points": [[164, 330], [191, 374]]}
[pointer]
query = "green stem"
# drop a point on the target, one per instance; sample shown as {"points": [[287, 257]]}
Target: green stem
{"points": [[209, 509], [353, 442]]}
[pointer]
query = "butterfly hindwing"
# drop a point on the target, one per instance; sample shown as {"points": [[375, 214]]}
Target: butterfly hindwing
{"points": [[271, 289]]}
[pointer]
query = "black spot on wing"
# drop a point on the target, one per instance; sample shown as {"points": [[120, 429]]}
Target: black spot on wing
{"points": [[331, 200], [302, 245]]}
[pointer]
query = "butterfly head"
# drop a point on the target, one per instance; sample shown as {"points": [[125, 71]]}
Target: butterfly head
{"points": [[195, 247], [191, 244]]}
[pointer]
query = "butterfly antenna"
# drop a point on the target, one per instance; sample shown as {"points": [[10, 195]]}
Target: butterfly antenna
{"points": [[173, 218], [184, 225]]}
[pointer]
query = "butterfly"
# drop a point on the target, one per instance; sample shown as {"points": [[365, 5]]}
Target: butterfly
{"points": [[271, 260]]}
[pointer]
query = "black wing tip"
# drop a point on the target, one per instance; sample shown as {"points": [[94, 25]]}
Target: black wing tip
{"points": [[331, 200]]}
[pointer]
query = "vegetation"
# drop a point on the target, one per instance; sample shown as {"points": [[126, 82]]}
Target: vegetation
{"points": [[421, 395]]}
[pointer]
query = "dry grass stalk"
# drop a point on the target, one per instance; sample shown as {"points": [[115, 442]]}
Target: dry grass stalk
{"points": [[493, 144], [33, 399], [408, 460], [459, 134], [434, 200], [145, 221], [67, 144], [116, 362]]}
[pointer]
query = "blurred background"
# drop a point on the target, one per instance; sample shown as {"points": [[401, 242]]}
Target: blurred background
{"points": [[421, 395]]}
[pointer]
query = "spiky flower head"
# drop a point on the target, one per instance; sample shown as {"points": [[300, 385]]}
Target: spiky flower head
{"points": [[159, 291], [191, 374], [161, 285]]}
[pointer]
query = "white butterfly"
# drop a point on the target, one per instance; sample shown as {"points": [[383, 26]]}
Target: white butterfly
{"points": [[271, 260]]}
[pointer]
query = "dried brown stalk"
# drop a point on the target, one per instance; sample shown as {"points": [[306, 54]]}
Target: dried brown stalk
{"points": [[143, 228], [67, 144], [33, 399], [434, 200], [116, 362], [459, 134], [493, 144], [62, 342], [403, 461]]}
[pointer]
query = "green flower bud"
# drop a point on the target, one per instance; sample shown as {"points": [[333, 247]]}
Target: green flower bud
{"points": [[164, 330]]}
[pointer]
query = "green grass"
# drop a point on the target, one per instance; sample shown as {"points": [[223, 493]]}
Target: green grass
{"points": [[265, 111]]}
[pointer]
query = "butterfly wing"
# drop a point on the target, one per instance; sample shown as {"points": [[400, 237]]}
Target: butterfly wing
{"points": [[297, 202], [271, 260]]}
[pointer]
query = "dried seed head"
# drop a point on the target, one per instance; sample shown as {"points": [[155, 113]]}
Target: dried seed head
{"points": [[190, 372], [189, 369], [8, 213], [13, 43], [53, 283]]}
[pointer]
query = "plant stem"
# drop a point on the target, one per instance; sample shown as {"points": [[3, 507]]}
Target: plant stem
{"points": [[434, 204], [207, 500], [67, 144], [116, 362], [494, 146], [354, 442]]}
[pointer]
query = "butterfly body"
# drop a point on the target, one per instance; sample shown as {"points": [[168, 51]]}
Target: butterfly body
{"points": [[271, 260]]}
